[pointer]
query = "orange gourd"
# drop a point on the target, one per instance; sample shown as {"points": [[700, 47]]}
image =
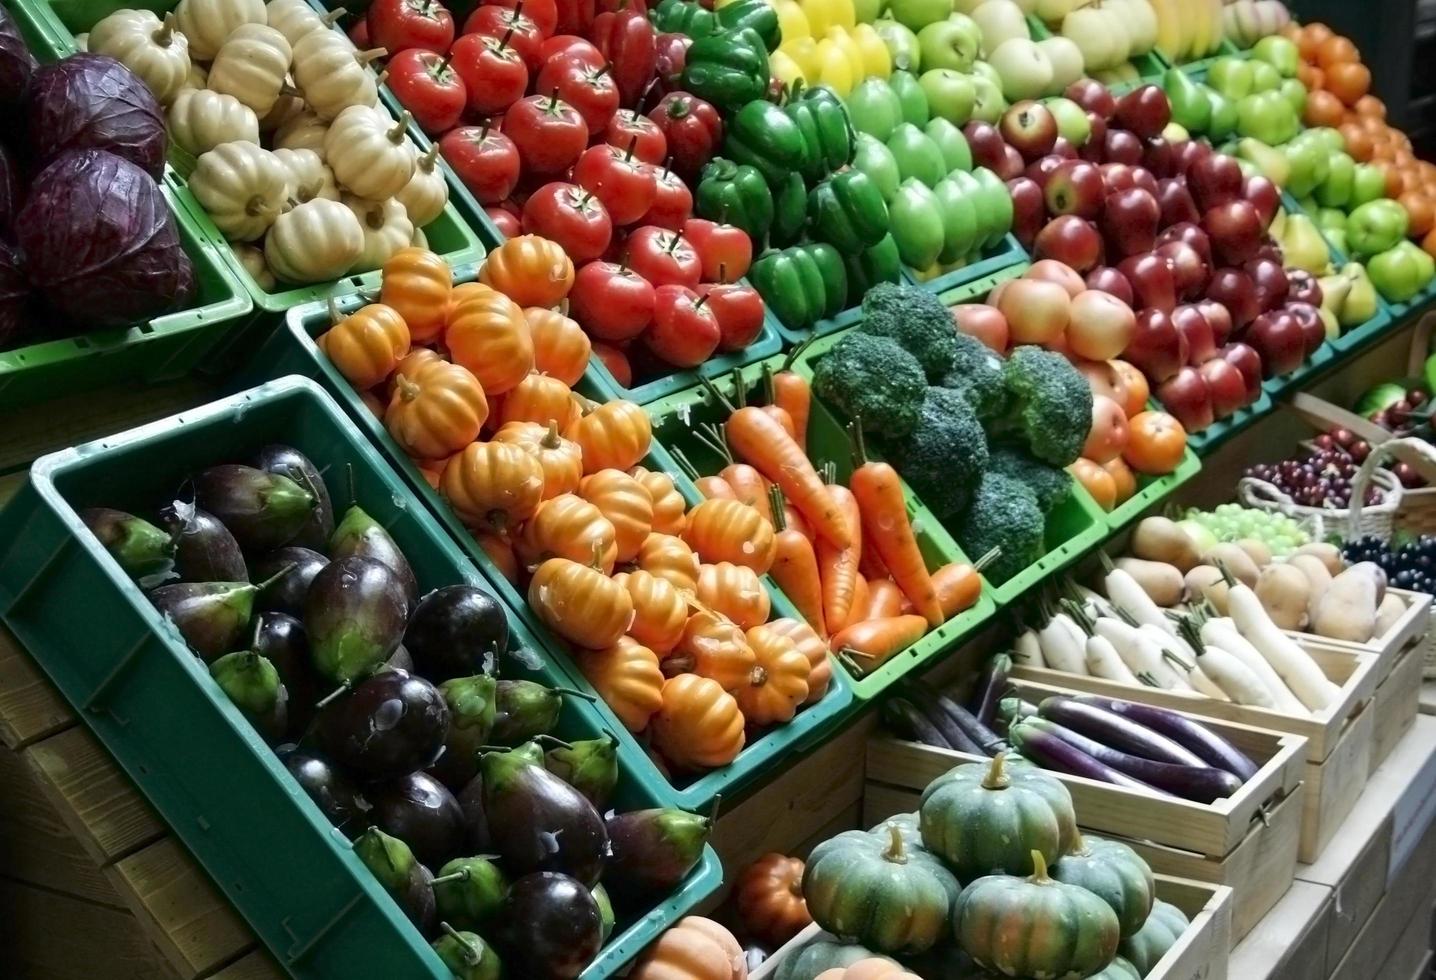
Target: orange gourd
{"points": [[699, 725], [432, 470], [670, 510], [769, 899], [410, 364], [436, 411], [500, 552], [530, 270], [627, 677], [874, 968], [669, 558], [627, 505], [580, 603], [417, 283], [712, 647], [561, 348], [727, 530], [660, 612], [539, 398], [567, 526], [734, 591], [614, 436], [492, 486], [560, 459], [371, 401], [693, 949], [778, 682], [487, 334], [367, 344], [812, 646]]}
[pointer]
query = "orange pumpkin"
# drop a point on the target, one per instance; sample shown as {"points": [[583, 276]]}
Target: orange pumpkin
{"points": [[660, 612], [627, 505], [769, 899], [811, 646], [698, 726], [432, 470], [567, 526], [712, 647], [670, 510], [693, 949], [410, 364], [436, 411], [614, 436], [727, 530], [669, 558], [487, 334], [500, 552], [561, 348], [539, 398], [367, 344], [734, 591], [418, 284], [530, 270], [560, 459], [873, 968], [371, 401], [779, 681], [580, 603], [627, 677], [492, 486]]}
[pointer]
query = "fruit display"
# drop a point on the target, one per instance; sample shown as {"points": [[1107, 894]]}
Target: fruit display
{"points": [[1108, 37], [1321, 476], [1230, 523]]}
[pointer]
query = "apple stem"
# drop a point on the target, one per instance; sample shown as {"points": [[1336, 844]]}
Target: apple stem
{"points": [[701, 300]]}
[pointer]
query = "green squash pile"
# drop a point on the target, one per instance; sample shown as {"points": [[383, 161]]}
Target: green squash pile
{"points": [[990, 879]]}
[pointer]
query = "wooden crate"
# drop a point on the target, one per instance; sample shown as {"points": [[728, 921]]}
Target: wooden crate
{"points": [[1412, 630], [1397, 702]]}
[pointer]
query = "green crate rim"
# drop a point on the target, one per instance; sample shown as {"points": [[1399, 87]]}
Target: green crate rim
{"points": [[1198, 68], [1204, 442], [1154, 489]]}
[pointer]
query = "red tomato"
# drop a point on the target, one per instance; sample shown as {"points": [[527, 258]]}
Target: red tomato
{"points": [[739, 311], [514, 27], [561, 45], [664, 257], [571, 216], [549, 133], [1155, 443], [626, 186], [359, 34], [611, 301], [1108, 435], [544, 13], [616, 361], [629, 128], [505, 221], [589, 90], [493, 72], [617, 250], [429, 88], [485, 160], [693, 128], [673, 204], [684, 331], [726, 251], [401, 24]]}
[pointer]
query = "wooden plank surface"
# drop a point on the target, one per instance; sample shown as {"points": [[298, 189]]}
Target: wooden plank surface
{"points": [[252, 966], [46, 935], [30, 707]]}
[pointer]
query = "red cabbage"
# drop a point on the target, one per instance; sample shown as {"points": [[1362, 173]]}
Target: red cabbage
{"points": [[11, 192], [17, 64], [93, 101], [100, 243], [14, 291]]}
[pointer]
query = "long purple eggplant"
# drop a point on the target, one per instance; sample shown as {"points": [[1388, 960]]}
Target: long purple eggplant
{"points": [[994, 688], [928, 705], [988, 741], [905, 721], [1051, 752], [1117, 732], [1211, 747], [1199, 785]]}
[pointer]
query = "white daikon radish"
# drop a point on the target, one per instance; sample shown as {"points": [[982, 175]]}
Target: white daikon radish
{"points": [[1295, 667]]}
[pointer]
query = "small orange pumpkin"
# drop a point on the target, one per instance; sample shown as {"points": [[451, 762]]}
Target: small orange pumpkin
{"points": [[693, 949], [432, 470], [500, 552], [367, 344], [670, 510], [614, 436], [727, 530], [487, 334], [567, 526], [670, 558], [699, 725], [712, 647], [539, 398], [417, 283], [811, 646], [627, 505], [409, 366], [436, 411], [734, 591], [561, 460], [769, 899], [660, 612], [580, 603], [530, 270], [779, 681], [492, 486], [371, 401], [627, 677], [561, 348]]}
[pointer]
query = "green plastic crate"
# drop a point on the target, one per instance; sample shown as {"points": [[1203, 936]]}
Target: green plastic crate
{"points": [[1202, 443], [1198, 68], [1008, 253], [155, 707]]}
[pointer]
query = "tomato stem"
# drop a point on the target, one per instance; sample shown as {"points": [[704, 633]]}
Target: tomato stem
{"points": [[723, 273], [504, 41], [607, 67], [632, 145], [552, 102]]}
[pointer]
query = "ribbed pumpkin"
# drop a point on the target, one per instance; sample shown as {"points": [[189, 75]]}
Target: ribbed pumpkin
{"points": [[532, 270], [614, 436], [1158, 934], [779, 681], [726, 530], [876, 890], [566, 527], [500, 552], [869, 969], [660, 612], [734, 591], [984, 818], [367, 344], [627, 505], [669, 558], [540, 399], [693, 948], [810, 645], [1035, 927], [769, 899], [715, 648], [432, 470], [1118, 969], [418, 284], [371, 401], [627, 677], [561, 348], [410, 363], [699, 725], [492, 486], [560, 458], [670, 510], [580, 603], [1114, 873], [436, 411], [823, 953], [487, 334]]}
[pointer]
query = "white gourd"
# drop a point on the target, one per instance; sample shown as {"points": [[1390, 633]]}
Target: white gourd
{"points": [[426, 193], [419, 240], [147, 46], [304, 132], [369, 152], [285, 108], [209, 23], [308, 175], [200, 120], [242, 186], [295, 18], [387, 229], [198, 76], [252, 66], [251, 259], [332, 74], [313, 242]]}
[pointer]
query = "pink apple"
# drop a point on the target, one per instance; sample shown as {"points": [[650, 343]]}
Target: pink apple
{"points": [[1129, 222], [1158, 348], [1189, 153], [1303, 287], [1153, 283], [1050, 270], [1037, 311], [1160, 157], [1064, 148], [988, 147], [1226, 386], [984, 322], [1100, 327], [1270, 281], [1029, 127], [1109, 280], [1011, 165], [1071, 240], [1264, 195], [1186, 396], [1104, 379], [1042, 168], [1095, 149], [1245, 359], [1121, 146], [1201, 342]]}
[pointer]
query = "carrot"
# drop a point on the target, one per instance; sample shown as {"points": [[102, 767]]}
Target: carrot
{"points": [[880, 500], [792, 393], [859, 610], [795, 567], [885, 599], [873, 642], [838, 567], [747, 483], [873, 566], [781, 416], [959, 585], [796, 521], [710, 487]]}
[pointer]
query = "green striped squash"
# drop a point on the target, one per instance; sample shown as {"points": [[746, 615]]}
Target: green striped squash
{"points": [[1114, 873], [1160, 933]]}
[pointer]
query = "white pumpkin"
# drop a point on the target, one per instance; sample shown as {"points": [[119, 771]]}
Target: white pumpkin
{"points": [[209, 23], [332, 74], [314, 242], [426, 193], [285, 108], [387, 229], [420, 240], [304, 132], [251, 259], [308, 175], [147, 46], [295, 18], [198, 76], [369, 152], [243, 188], [252, 66], [200, 120]]}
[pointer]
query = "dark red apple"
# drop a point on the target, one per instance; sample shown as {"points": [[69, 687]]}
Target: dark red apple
{"points": [[1215, 180], [1186, 396], [1313, 328], [1303, 287], [1064, 148], [1235, 290], [1145, 111], [1093, 96], [1269, 249], [1074, 187], [1042, 168], [1118, 177], [1121, 146], [1245, 359], [1142, 177], [1130, 219], [1264, 195], [1160, 157], [1029, 127], [1176, 202], [1029, 211], [1157, 348], [1189, 269], [1225, 384], [1201, 342], [1192, 234], [1011, 165], [1095, 149], [1270, 281], [1279, 339], [1189, 153], [1109, 280], [1153, 284], [1069, 240], [1235, 230], [1219, 318], [988, 147]]}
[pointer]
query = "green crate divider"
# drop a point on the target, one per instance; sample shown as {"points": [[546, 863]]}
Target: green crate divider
{"points": [[293, 351], [1314, 365], [1151, 489], [1008, 253], [1202, 443], [977, 290], [1149, 66], [154, 705], [768, 343]]}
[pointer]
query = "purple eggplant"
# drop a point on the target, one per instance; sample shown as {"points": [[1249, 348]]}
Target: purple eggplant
{"points": [[987, 741], [205, 551], [1202, 785], [1050, 752], [1207, 744], [389, 725], [993, 688], [407, 881], [538, 822], [337, 797], [653, 851], [552, 927], [904, 720], [290, 462], [1116, 732], [287, 595], [418, 810], [262, 510], [142, 549]]}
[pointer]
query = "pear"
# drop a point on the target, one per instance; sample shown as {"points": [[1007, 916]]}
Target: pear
{"points": [[1272, 163], [1361, 303], [1190, 105], [1303, 247]]}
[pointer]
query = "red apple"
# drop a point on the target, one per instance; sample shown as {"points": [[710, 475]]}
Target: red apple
{"points": [[1064, 149], [1153, 283], [1095, 149], [1189, 269], [1050, 270], [1108, 435], [1219, 318], [1093, 96], [984, 322], [1100, 326], [1042, 168], [1234, 289], [1303, 287], [1109, 280], [1190, 233], [1029, 127], [1145, 111], [1011, 165], [1029, 211], [1186, 396], [1279, 339], [1037, 311], [1313, 328], [1158, 348], [1075, 187], [1226, 386], [1121, 146], [987, 145], [1264, 194], [1071, 240], [1245, 359], [1160, 157], [1118, 177], [1176, 202], [1201, 342], [1270, 281], [1129, 222], [1236, 231], [1215, 180]]}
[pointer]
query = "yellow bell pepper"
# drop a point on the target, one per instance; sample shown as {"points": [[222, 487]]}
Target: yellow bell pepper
{"points": [[825, 14], [851, 51], [877, 59], [792, 22], [835, 69], [804, 52], [785, 69]]}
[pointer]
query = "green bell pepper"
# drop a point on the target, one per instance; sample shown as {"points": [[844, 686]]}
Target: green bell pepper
{"points": [[728, 70], [735, 194], [881, 263], [683, 17], [836, 139], [762, 135], [834, 275], [848, 212], [790, 210], [756, 14], [791, 284]]}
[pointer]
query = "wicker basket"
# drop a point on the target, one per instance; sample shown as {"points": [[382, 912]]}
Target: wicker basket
{"points": [[1325, 522]]}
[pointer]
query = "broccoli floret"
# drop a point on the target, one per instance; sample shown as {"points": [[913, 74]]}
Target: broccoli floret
{"points": [[977, 372], [944, 457], [1004, 514], [1051, 406], [875, 379], [1049, 484], [917, 320]]}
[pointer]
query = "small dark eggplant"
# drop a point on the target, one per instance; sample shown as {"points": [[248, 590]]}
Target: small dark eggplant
{"points": [[213, 617], [466, 955], [470, 892], [281, 639], [553, 928], [142, 550], [538, 822], [354, 616], [605, 911], [251, 681], [524, 711], [338, 799], [205, 551], [290, 462], [417, 809], [407, 881], [589, 766], [471, 799], [287, 594], [652, 851], [389, 725], [471, 719], [359, 535], [456, 631], [262, 510]]}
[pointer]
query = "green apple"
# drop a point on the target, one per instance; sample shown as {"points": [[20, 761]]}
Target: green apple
{"points": [[1335, 190], [1310, 165], [976, 192], [959, 221], [917, 14], [917, 156], [1327, 137], [1375, 227], [1295, 93], [950, 94], [1224, 115], [914, 100], [1025, 70], [868, 11], [989, 105], [1072, 122], [1190, 106], [1399, 273], [1000, 21], [952, 43], [1279, 52], [1232, 77], [917, 224], [1308, 204], [956, 154], [1331, 219], [1265, 78], [875, 108], [997, 208], [1268, 117], [901, 44], [1368, 184], [983, 70], [873, 158]]}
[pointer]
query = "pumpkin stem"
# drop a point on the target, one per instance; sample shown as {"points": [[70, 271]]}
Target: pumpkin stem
{"points": [[996, 778], [373, 54], [551, 439], [332, 18], [896, 852], [257, 205], [164, 37], [290, 92], [396, 135], [1039, 869], [758, 677], [426, 162], [408, 391]]}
